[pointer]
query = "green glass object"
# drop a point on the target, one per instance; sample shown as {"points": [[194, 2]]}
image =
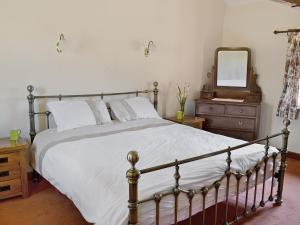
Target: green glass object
{"points": [[15, 135], [180, 115]]}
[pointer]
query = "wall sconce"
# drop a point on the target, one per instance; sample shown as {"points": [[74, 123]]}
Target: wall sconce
{"points": [[59, 43], [147, 49]]}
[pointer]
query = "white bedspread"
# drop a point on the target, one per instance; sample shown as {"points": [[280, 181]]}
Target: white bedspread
{"points": [[91, 170]]}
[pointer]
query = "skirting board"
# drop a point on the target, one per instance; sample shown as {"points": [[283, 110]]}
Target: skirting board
{"points": [[294, 155]]}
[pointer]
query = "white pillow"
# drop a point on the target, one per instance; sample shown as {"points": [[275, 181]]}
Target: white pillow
{"points": [[71, 114], [100, 111], [142, 107], [122, 111]]}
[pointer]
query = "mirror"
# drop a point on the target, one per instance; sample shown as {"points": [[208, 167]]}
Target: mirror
{"points": [[232, 67]]}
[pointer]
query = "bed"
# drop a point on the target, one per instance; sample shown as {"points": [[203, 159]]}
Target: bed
{"points": [[186, 170]]}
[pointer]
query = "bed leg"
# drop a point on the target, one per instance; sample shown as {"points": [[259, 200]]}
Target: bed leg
{"points": [[133, 176], [35, 176], [283, 164]]}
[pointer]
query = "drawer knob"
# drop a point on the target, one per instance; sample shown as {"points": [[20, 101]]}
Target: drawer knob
{"points": [[240, 123], [4, 174], [4, 160], [211, 108], [241, 110], [5, 188]]}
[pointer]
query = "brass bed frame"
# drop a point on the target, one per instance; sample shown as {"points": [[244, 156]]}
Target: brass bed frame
{"points": [[133, 174]]}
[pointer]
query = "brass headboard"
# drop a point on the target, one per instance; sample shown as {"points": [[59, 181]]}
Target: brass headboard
{"points": [[31, 98]]}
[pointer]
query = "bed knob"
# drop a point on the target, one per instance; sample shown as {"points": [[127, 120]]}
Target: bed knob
{"points": [[30, 88], [133, 158], [286, 122]]}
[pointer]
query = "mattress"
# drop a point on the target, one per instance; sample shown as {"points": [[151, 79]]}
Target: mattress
{"points": [[89, 166]]}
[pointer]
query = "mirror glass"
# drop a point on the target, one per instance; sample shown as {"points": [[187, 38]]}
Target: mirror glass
{"points": [[232, 68]]}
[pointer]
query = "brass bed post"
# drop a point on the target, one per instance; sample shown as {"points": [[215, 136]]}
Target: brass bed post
{"points": [[133, 176], [30, 99], [283, 164], [155, 92], [32, 133]]}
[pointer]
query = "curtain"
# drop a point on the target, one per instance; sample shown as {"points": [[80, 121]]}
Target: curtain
{"points": [[287, 106]]}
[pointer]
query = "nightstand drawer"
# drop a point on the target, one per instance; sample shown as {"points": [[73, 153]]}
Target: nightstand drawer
{"points": [[9, 159], [9, 173], [10, 188]]}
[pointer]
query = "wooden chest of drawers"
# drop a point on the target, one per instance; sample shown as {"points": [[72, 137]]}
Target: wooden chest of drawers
{"points": [[233, 119], [13, 168]]}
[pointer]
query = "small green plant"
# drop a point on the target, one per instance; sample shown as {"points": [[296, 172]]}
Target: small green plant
{"points": [[182, 96]]}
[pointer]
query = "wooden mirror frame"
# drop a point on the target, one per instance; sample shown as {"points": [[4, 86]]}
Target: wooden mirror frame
{"points": [[242, 49], [250, 93]]}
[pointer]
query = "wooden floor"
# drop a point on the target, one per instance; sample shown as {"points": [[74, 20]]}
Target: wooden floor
{"points": [[46, 206]]}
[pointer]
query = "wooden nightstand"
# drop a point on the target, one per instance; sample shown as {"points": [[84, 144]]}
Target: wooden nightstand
{"points": [[13, 168], [192, 121]]}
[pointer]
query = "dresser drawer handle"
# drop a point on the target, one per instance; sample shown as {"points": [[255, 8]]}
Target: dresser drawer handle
{"points": [[4, 174], [240, 123], [211, 108], [5, 188], [4, 160], [241, 111]]}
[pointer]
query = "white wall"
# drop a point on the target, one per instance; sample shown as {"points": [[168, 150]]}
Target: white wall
{"points": [[103, 49], [252, 25]]}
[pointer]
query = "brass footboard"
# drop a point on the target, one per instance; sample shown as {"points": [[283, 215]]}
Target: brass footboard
{"points": [[133, 175]]}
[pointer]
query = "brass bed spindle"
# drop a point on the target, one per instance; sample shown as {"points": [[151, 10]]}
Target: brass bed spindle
{"points": [[228, 175], [238, 179], [155, 91], [248, 174], [274, 156], [266, 158], [217, 187], [257, 168], [204, 192], [176, 190], [157, 199], [283, 164], [191, 195]]}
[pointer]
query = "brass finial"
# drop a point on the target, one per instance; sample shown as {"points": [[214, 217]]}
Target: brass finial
{"points": [[133, 158], [30, 88], [286, 122]]}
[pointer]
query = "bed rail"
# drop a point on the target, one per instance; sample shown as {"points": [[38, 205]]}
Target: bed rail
{"points": [[133, 175], [31, 100]]}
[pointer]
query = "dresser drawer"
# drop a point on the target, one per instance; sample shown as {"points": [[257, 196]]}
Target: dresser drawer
{"points": [[10, 188], [203, 108], [246, 136], [229, 122], [9, 173], [9, 159], [240, 110]]}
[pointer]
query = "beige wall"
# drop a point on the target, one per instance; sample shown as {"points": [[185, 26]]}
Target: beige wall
{"points": [[252, 25], [103, 49]]}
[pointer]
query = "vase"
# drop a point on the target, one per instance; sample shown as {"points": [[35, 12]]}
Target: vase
{"points": [[180, 115]]}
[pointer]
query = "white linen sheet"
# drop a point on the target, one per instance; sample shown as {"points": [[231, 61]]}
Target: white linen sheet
{"points": [[91, 171]]}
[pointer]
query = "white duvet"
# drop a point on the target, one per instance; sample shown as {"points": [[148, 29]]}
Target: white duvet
{"points": [[89, 166]]}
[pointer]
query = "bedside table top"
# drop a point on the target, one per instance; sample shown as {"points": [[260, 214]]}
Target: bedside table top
{"points": [[6, 144], [187, 119]]}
